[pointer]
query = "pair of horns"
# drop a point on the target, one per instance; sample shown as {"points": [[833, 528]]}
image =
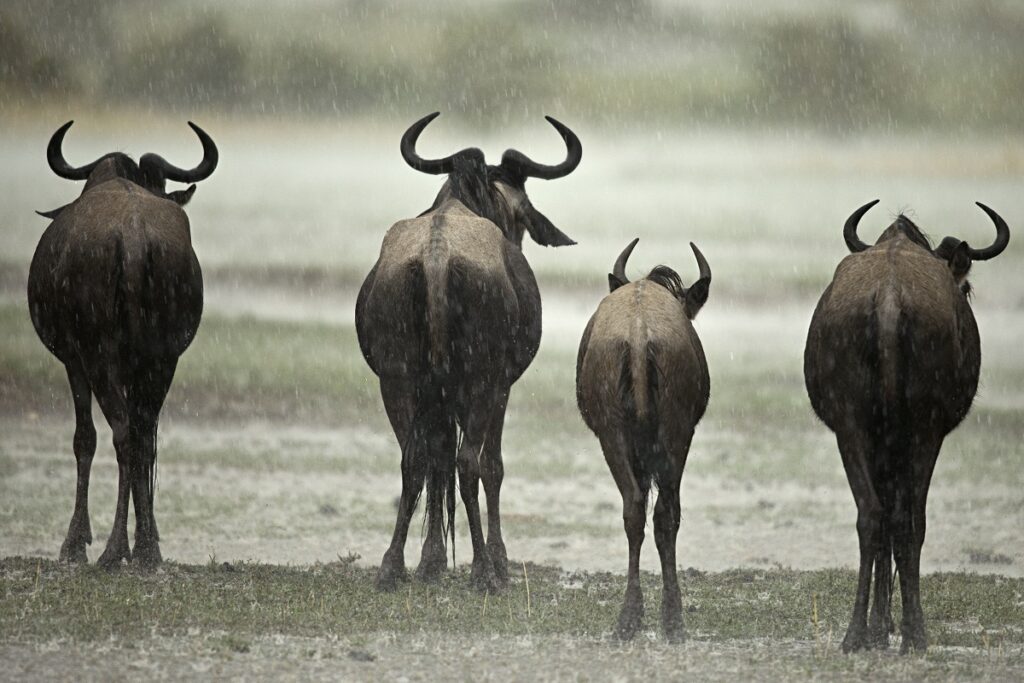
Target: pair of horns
{"points": [[1002, 233], [619, 269], [148, 162], [512, 160]]}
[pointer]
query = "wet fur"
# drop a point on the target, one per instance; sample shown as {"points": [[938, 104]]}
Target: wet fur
{"points": [[115, 293], [642, 385], [891, 366]]}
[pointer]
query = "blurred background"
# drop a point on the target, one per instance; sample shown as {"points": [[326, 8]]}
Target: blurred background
{"points": [[840, 67], [753, 128]]}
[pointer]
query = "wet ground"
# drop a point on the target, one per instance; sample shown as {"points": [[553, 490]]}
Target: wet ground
{"points": [[276, 449]]}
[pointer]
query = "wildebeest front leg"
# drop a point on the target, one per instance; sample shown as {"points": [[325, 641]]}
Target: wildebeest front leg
{"points": [[855, 451], [634, 516], [80, 530], [666, 531], [492, 472], [399, 401]]}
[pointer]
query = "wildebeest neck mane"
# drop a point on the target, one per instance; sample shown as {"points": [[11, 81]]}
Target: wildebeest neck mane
{"points": [[473, 186], [904, 226], [669, 279]]}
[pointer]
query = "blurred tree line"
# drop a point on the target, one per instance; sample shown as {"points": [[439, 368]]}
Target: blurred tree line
{"points": [[923, 63]]}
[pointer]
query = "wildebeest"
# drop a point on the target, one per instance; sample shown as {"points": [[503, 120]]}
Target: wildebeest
{"points": [[115, 293], [448, 319], [642, 386], [891, 366]]}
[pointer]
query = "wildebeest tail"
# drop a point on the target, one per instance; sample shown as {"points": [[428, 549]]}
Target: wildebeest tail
{"points": [[638, 395], [893, 476], [435, 271], [430, 450]]}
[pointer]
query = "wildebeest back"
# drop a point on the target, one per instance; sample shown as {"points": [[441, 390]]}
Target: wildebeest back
{"points": [[150, 290], [662, 353]]}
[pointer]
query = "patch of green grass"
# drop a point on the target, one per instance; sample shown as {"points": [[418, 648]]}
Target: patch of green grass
{"points": [[46, 600]]}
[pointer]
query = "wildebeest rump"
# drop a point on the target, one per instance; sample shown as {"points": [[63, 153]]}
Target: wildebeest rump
{"points": [[891, 366], [642, 385], [115, 293], [448, 319]]}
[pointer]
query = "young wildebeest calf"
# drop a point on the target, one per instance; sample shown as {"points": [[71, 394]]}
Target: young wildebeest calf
{"points": [[115, 292], [891, 366], [448, 319], [642, 385]]}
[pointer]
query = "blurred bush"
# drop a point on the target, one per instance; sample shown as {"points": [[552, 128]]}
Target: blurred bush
{"points": [[829, 74], [925, 63], [198, 64]]}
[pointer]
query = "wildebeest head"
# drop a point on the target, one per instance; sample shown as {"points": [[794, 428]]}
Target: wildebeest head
{"points": [[692, 298], [497, 193], [151, 172], [957, 253]]}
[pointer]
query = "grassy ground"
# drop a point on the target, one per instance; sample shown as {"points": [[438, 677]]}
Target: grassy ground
{"points": [[235, 614]]}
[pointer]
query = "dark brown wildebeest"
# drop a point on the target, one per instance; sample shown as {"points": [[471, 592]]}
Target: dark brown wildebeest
{"points": [[891, 366], [115, 292], [642, 386], [448, 319]]}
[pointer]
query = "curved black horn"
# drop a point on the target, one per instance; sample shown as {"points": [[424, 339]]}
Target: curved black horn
{"points": [[56, 158], [702, 264], [1002, 237], [519, 163], [850, 229], [619, 269], [431, 166], [200, 172]]}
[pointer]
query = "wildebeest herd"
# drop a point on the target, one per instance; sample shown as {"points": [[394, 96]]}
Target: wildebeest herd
{"points": [[449, 318]]}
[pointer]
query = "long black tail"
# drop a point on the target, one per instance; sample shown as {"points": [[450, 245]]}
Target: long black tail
{"points": [[639, 400], [893, 474]]}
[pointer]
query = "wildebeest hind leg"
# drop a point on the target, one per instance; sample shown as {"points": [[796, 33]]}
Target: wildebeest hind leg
{"points": [[666, 531], [855, 450], [80, 530], [115, 409], [475, 436], [634, 516], [400, 403], [492, 472], [924, 453], [150, 387]]}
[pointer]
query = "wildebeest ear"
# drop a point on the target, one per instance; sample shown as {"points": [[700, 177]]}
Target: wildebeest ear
{"points": [[697, 296], [959, 261], [614, 283], [181, 197], [541, 229]]}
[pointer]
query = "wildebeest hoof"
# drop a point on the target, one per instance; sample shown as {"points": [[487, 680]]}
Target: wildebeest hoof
{"points": [[915, 640], [499, 558], [630, 621], [483, 578], [112, 556], [854, 639], [672, 626], [431, 568], [147, 555], [878, 637], [73, 552], [675, 634], [390, 574]]}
